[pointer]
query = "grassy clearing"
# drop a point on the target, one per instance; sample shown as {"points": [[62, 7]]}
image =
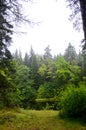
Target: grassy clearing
{"points": [[19, 119]]}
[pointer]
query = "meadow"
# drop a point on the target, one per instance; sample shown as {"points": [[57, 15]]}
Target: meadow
{"points": [[20, 119]]}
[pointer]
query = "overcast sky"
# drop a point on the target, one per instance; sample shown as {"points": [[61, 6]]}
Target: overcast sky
{"points": [[54, 28]]}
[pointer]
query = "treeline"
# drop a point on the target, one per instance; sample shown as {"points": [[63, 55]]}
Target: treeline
{"points": [[36, 81], [43, 76]]}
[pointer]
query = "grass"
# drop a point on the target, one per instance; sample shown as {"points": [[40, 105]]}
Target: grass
{"points": [[19, 119]]}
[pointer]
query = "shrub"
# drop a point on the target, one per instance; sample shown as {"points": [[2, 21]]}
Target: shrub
{"points": [[73, 102], [47, 90]]}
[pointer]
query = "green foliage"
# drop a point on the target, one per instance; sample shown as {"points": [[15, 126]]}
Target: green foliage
{"points": [[67, 73], [47, 96], [63, 71], [33, 65], [22, 75], [47, 70], [73, 102], [8, 92], [42, 70], [5, 35], [48, 90], [4, 80], [44, 77], [7, 89], [11, 98], [25, 85], [28, 96], [18, 57]]}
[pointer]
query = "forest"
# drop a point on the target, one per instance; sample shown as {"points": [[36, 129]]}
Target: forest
{"points": [[40, 82]]}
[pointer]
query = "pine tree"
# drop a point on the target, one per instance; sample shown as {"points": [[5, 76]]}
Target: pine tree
{"points": [[70, 54], [26, 60], [9, 12]]}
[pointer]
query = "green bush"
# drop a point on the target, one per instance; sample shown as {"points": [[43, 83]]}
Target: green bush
{"points": [[47, 90], [73, 102]]}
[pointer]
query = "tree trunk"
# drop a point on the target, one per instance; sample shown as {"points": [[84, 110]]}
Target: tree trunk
{"points": [[83, 14]]}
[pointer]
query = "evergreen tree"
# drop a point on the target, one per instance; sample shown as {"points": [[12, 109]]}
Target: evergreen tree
{"points": [[5, 38], [33, 65], [18, 57], [9, 12], [70, 54], [47, 67], [26, 59], [47, 53]]}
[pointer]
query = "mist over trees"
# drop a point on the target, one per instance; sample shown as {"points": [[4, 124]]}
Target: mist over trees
{"points": [[37, 81], [40, 78]]}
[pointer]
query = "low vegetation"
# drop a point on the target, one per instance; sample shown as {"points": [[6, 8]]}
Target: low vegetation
{"points": [[20, 119], [73, 102]]}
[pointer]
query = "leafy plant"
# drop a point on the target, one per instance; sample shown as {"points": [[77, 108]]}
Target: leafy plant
{"points": [[73, 102]]}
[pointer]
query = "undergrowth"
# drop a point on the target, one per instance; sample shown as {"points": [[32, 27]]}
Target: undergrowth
{"points": [[20, 119]]}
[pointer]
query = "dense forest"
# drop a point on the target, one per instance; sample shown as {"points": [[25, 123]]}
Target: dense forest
{"points": [[40, 81], [35, 81]]}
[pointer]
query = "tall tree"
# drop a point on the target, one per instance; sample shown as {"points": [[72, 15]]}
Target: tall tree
{"points": [[80, 6], [83, 13], [70, 54], [33, 64], [9, 12], [26, 59], [24, 84], [47, 53], [5, 38], [18, 57]]}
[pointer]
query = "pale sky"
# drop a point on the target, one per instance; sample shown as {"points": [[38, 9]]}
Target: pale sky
{"points": [[54, 28]]}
